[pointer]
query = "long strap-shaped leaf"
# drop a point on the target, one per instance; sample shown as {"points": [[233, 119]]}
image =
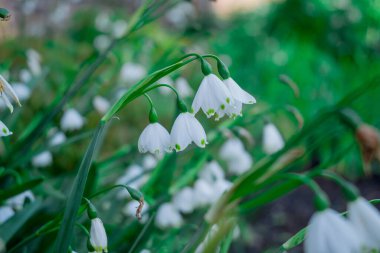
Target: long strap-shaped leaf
{"points": [[75, 198]]}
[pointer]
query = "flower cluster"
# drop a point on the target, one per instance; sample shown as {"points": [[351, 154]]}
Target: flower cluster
{"points": [[237, 158], [329, 232], [214, 97], [14, 204]]}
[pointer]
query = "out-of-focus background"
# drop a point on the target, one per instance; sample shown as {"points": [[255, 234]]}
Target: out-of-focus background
{"points": [[322, 49]]}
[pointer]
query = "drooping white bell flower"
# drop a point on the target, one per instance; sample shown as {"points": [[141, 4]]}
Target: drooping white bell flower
{"points": [[72, 120], [130, 211], [329, 232], [57, 138], [101, 104], [211, 96], [34, 61], [272, 139], [17, 202], [132, 72], [119, 28], [187, 129], [154, 139], [183, 87], [233, 111], [184, 200], [238, 94], [220, 186], [231, 148], [168, 216], [212, 172], [366, 220], [43, 159], [101, 42], [4, 131], [204, 193], [98, 236], [149, 162], [25, 76], [7, 90], [103, 22], [22, 91], [240, 164], [6, 212]]}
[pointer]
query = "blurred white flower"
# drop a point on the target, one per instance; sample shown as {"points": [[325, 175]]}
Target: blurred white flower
{"points": [[42, 160], [130, 210], [103, 22], [154, 139], [72, 120], [237, 158], [7, 90], [101, 42], [187, 129], [25, 76], [272, 139], [168, 216], [181, 14], [17, 202], [6, 212], [145, 251], [57, 138], [220, 186], [101, 104], [132, 72], [329, 232], [231, 149], [33, 61], [211, 172], [21, 90], [98, 236], [204, 193], [184, 200], [119, 28], [165, 80], [212, 96], [4, 131], [366, 221], [149, 162], [183, 87]]}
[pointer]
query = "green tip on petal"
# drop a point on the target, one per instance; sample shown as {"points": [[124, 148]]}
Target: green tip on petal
{"points": [[177, 147], [203, 142], [222, 106], [228, 100], [5, 131], [210, 111]]}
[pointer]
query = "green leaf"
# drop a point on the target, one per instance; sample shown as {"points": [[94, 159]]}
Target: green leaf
{"points": [[14, 224], [75, 198], [295, 240], [14, 190]]}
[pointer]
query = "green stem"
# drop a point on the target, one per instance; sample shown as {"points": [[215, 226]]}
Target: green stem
{"points": [[350, 192]]}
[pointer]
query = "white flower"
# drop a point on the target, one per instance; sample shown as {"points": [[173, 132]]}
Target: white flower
{"points": [[101, 42], [187, 129], [7, 90], [132, 73], [6, 212], [165, 80], [42, 160], [204, 193], [240, 164], [272, 140], [366, 220], [4, 131], [231, 149], [212, 96], [119, 28], [57, 138], [103, 22], [238, 94], [149, 162], [17, 202], [329, 232], [184, 200], [154, 139], [212, 172], [130, 210], [168, 216], [71, 120], [181, 14], [22, 91], [98, 236], [34, 61], [101, 104], [183, 87], [25, 76]]}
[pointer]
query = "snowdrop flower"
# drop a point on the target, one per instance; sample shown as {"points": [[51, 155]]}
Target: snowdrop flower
{"points": [[42, 160], [165, 80], [183, 87], [17, 202], [34, 61], [130, 211], [181, 14], [7, 90], [103, 22], [101, 42], [329, 232], [132, 72], [22, 91], [154, 139], [25, 76], [239, 95], [168, 216], [366, 221], [212, 96], [231, 149], [6, 212], [4, 131], [187, 129], [203, 193], [57, 139], [240, 164], [220, 186], [101, 104], [184, 200], [149, 162], [212, 172], [98, 236], [272, 140], [72, 120], [119, 28]]}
